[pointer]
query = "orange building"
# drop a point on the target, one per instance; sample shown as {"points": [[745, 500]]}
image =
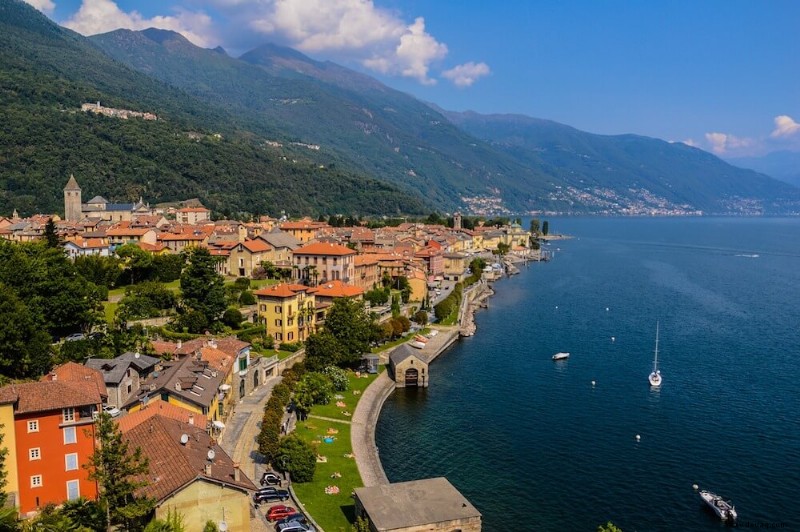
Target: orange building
{"points": [[49, 430]]}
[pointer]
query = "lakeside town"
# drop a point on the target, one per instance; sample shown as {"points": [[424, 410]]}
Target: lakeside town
{"points": [[282, 327]]}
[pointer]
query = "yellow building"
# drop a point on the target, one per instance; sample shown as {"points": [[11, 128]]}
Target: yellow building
{"points": [[288, 310], [10, 444], [191, 474]]}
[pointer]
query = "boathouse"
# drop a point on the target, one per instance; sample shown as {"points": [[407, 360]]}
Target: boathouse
{"points": [[428, 504], [408, 367]]}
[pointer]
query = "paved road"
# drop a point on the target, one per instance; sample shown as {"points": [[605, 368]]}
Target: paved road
{"points": [[239, 440]]}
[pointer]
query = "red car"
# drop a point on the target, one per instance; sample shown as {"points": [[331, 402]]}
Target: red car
{"points": [[279, 511]]}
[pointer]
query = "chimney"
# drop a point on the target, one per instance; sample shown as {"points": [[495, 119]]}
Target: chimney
{"points": [[191, 419], [178, 386], [53, 376], [212, 343], [208, 469], [236, 473]]}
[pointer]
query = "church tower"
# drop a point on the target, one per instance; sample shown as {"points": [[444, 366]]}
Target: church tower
{"points": [[72, 200], [457, 220]]}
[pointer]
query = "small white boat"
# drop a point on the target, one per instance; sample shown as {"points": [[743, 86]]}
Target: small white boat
{"points": [[561, 356], [655, 375], [724, 509], [416, 344]]}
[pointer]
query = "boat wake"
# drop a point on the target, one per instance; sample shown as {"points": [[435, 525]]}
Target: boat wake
{"points": [[748, 255]]}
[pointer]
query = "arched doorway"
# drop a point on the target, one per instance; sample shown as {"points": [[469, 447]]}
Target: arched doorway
{"points": [[412, 377], [241, 389]]}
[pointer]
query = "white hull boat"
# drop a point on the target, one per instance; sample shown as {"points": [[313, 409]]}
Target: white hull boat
{"points": [[416, 344], [724, 509], [655, 375], [561, 356]]}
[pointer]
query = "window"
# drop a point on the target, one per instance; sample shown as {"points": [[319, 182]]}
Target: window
{"points": [[278, 309], [73, 490], [69, 414], [278, 323], [242, 363], [33, 425], [70, 436], [71, 462], [129, 389], [290, 336], [36, 481], [290, 322], [34, 453]]}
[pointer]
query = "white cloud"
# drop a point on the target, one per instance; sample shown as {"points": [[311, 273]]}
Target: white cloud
{"points": [[100, 16], [45, 6], [348, 30], [785, 126], [722, 143], [467, 74]]}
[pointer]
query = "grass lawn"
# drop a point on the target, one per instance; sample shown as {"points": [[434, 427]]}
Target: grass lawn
{"points": [[395, 343], [334, 513], [110, 309]]}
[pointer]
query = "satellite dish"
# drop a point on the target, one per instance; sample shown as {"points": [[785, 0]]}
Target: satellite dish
{"points": [[184, 439], [211, 454]]}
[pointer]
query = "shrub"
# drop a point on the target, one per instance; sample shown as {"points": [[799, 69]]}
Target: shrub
{"points": [[242, 283], [338, 378], [421, 317], [247, 298], [232, 318], [292, 347]]}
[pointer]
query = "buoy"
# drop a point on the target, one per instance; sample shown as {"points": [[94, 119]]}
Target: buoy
{"points": [[613, 339], [556, 307], [638, 438], [592, 383], [695, 487], [606, 309]]}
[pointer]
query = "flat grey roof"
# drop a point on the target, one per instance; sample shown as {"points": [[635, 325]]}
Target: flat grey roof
{"points": [[414, 503]]}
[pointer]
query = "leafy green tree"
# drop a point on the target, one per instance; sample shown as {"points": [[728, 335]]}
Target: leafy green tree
{"points": [[24, 345], [202, 288], [545, 228], [502, 248], [361, 525], [137, 264], [9, 522], [247, 298], [242, 283], [118, 472], [193, 321], [609, 526], [338, 378], [51, 518], [210, 526], [297, 457], [145, 300], [351, 325], [168, 267], [395, 305], [377, 296], [402, 284], [270, 434], [270, 270], [534, 226], [477, 265], [102, 271], [322, 350], [50, 235], [421, 317]]}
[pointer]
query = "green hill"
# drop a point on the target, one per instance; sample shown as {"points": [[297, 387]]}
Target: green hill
{"points": [[193, 150], [631, 171], [364, 124]]}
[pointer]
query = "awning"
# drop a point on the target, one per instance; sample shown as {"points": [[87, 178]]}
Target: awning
{"points": [[219, 425], [224, 387]]}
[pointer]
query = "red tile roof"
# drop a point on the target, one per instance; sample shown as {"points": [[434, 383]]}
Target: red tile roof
{"points": [[338, 289], [162, 408], [256, 246], [323, 248], [47, 396], [79, 375], [174, 465], [282, 290]]}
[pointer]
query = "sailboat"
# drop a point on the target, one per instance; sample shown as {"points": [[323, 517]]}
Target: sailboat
{"points": [[655, 375]]}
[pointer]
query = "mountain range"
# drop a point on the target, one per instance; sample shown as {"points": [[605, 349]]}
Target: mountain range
{"points": [[276, 130]]}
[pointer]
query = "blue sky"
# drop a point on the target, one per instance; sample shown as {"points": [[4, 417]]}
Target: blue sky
{"points": [[723, 75]]}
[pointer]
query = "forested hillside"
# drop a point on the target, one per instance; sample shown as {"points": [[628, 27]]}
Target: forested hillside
{"points": [[193, 150]]}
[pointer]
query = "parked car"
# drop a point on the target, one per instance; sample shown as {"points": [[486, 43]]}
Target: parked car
{"points": [[75, 336], [279, 511], [267, 489], [270, 478], [112, 411], [292, 518], [269, 496], [294, 527]]}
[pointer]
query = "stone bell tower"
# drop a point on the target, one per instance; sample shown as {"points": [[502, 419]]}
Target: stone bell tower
{"points": [[72, 200]]}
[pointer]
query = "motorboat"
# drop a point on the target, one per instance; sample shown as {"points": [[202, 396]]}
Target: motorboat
{"points": [[416, 344], [724, 509], [561, 356], [655, 375]]}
